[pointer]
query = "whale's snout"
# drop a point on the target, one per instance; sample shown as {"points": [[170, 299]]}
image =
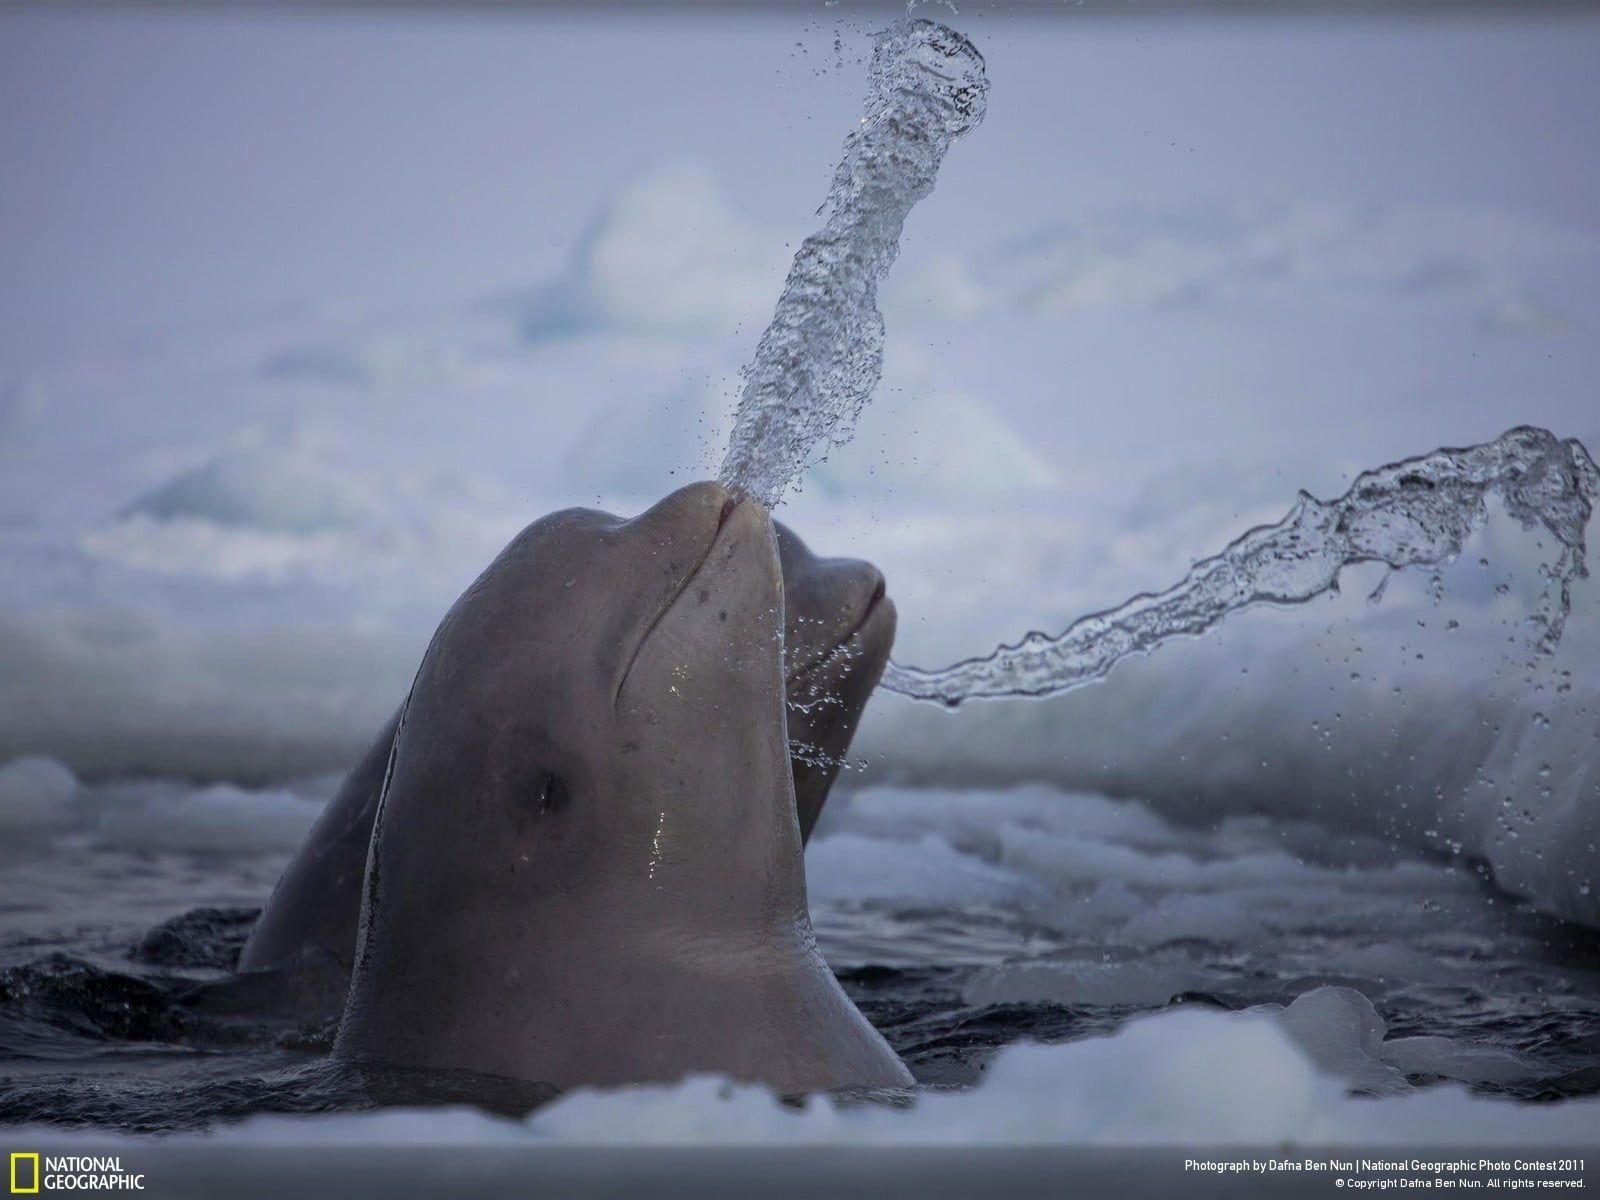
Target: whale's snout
{"points": [[695, 515], [741, 561], [724, 595]]}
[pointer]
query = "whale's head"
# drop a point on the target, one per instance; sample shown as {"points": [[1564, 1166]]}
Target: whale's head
{"points": [[838, 631], [586, 864], [602, 713]]}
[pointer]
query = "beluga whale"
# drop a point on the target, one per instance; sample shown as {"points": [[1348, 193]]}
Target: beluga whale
{"points": [[839, 627], [586, 865]]}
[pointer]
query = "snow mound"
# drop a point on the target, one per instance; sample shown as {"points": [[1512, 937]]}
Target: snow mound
{"points": [[1429, 730], [1341, 1032], [648, 447], [1204, 255], [926, 441], [666, 255], [259, 488], [41, 798], [920, 444], [34, 794]]}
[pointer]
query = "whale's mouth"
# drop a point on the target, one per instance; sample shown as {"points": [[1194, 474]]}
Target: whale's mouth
{"points": [[729, 507], [877, 606]]}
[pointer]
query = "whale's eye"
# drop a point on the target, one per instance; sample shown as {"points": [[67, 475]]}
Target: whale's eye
{"points": [[549, 793]]}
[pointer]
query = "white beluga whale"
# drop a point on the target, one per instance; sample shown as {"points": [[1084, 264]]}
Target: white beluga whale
{"points": [[838, 630], [586, 864]]}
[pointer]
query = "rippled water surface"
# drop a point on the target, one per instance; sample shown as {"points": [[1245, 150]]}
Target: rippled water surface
{"points": [[959, 921]]}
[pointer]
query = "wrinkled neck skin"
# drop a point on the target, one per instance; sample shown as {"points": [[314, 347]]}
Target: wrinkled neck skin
{"points": [[647, 917]]}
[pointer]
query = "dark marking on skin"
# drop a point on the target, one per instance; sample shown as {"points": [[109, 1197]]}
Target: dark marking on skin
{"points": [[550, 794]]}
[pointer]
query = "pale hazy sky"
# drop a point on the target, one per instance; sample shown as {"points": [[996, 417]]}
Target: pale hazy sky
{"points": [[165, 167]]}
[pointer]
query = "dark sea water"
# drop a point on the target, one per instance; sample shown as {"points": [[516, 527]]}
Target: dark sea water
{"points": [[960, 922]]}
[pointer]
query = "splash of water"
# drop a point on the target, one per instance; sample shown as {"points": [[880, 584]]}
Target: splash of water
{"points": [[1417, 512], [821, 357]]}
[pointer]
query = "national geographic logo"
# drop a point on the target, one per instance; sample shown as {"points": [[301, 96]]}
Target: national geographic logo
{"points": [[32, 1173], [24, 1174]]}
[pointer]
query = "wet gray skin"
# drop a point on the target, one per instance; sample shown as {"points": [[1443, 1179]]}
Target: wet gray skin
{"points": [[838, 630], [586, 866]]}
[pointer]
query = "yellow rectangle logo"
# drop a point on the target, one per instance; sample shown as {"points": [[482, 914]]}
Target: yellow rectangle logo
{"points": [[17, 1189]]}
